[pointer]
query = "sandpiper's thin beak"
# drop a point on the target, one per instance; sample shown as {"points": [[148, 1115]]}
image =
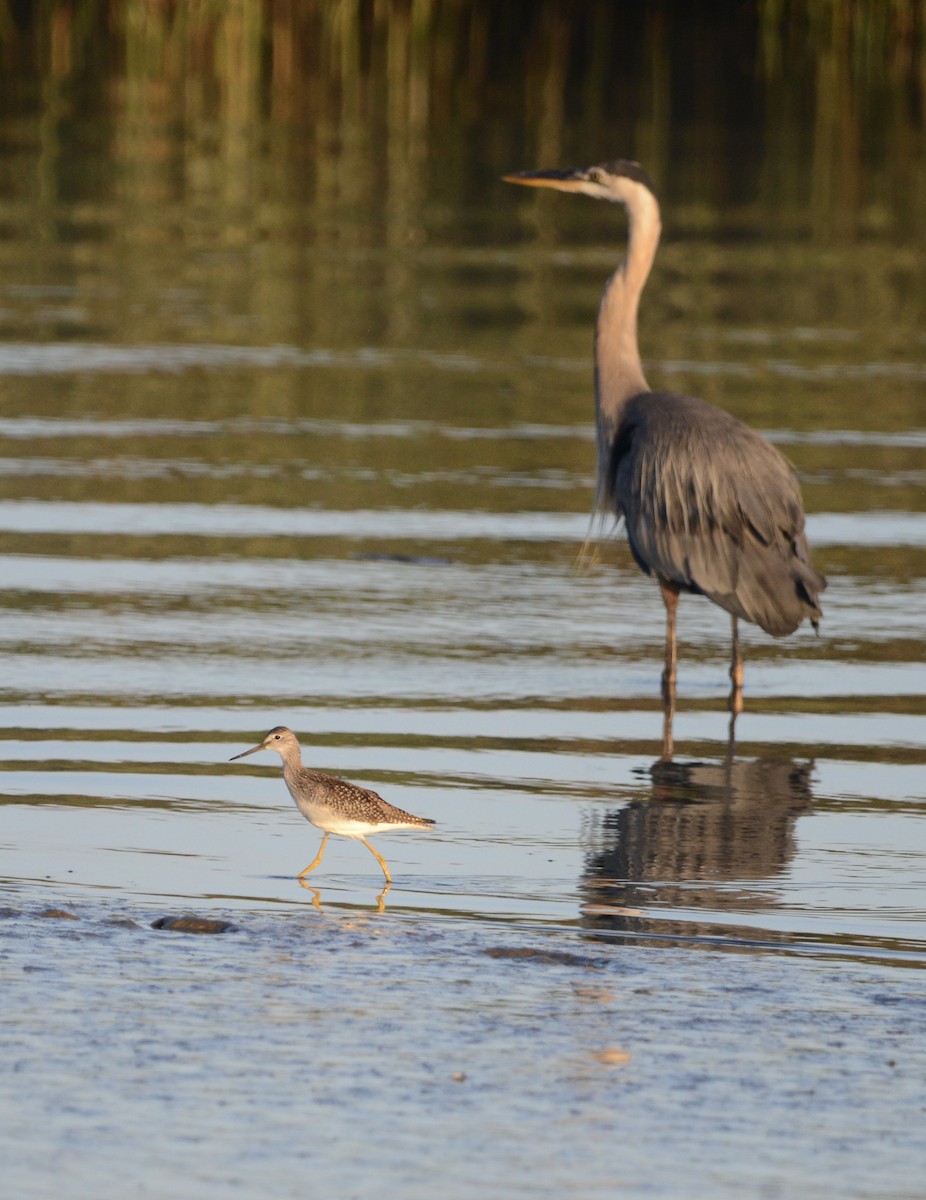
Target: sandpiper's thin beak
{"points": [[245, 753], [564, 181]]}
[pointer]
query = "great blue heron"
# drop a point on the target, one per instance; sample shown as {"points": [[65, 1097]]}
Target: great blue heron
{"points": [[710, 507]]}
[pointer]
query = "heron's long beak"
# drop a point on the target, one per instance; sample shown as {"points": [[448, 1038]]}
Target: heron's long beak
{"points": [[253, 750], [563, 181]]}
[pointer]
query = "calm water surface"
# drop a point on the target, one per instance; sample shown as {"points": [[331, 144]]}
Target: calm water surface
{"points": [[250, 475]]}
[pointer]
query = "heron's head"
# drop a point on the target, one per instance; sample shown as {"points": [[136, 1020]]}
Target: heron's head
{"points": [[280, 738], [620, 181]]}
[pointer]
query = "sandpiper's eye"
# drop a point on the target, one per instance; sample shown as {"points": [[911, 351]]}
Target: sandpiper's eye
{"points": [[595, 175]]}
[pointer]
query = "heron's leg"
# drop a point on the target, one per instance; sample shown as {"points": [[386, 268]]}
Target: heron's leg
{"points": [[736, 672], [316, 860], [382, 862], [668, 714], [670, 593]]}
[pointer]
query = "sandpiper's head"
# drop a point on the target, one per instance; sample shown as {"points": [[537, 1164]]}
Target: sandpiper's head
{"points": [[279, 738], [620, 181]]}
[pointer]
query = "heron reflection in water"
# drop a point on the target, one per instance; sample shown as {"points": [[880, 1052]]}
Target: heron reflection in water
{"points": [[709, 506], [701, 851]]}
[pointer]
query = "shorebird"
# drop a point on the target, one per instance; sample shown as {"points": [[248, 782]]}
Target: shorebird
{"points": [[332, 804]]}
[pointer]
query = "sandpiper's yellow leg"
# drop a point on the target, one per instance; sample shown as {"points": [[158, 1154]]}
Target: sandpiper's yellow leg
{"points": [[382, 861], [317, 859], [381, 898]]}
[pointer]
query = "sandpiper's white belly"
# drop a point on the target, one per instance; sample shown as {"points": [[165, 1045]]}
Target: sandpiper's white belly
{"points": [[334, 822]]}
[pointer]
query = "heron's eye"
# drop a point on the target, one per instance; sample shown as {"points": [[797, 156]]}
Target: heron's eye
{"points": [[595, 175]]}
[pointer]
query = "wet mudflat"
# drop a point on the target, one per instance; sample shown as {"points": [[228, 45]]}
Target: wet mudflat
{"points": [[297, 428], [349, 1049]]}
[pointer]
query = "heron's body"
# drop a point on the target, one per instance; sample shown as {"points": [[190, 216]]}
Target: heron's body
{"points": [[334, 805], [733, 530], [710, 507]]}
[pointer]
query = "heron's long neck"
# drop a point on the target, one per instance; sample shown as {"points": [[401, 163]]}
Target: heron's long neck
{"points": [[618, 370]]}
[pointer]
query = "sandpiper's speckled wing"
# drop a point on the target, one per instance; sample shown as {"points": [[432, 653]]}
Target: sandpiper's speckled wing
{"points": [[359, 803]]}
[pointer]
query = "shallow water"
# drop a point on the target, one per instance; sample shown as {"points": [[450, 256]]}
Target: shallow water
{"points": [[277, 453], [343, 1048]]}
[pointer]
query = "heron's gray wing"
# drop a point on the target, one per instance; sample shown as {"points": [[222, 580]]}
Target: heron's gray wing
{"points": [[712, 506]]}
